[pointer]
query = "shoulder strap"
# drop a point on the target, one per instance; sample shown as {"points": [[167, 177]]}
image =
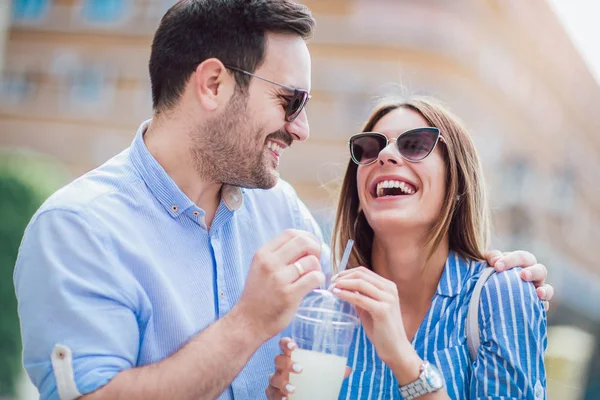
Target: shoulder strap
{"points": [[472, 326]]}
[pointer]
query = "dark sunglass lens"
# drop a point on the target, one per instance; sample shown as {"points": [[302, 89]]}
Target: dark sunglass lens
{"points": [[295, 106], [416, 145], [366, 148]]}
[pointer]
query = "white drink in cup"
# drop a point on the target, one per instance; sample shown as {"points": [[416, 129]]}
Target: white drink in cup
{"points": [[323, 329]]}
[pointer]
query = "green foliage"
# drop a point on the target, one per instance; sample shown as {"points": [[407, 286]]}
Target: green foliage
{"points": [[26, 180]]}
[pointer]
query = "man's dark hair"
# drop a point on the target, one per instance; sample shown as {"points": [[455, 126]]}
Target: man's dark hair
{"points": [[231, 30]]}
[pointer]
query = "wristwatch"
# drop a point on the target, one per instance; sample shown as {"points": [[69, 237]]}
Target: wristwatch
{"points": [[430, 380]]}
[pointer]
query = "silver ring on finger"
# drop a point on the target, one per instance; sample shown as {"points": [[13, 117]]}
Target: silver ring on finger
{"points": [[299, 267]]}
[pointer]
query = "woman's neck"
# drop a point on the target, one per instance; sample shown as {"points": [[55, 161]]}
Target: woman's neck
{"points": [[403, 260]]}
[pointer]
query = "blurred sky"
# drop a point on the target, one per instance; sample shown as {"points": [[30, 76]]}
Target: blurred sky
{"points": [[580, 19]]}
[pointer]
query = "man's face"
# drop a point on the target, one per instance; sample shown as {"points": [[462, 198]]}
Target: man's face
{"points": [[243, 144]]}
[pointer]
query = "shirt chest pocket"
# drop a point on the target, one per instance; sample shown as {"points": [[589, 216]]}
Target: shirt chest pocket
{"points": [[455, 365]]}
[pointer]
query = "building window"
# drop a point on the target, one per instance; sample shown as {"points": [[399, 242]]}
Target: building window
{"points": [[86, 85], [29, 10], [517, 182], [563, 192], [16, 88], [89, 88], [105, 11]]}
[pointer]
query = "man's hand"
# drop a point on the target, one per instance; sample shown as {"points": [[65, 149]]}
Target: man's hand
{"points": [[283, 271], [532, 271]]}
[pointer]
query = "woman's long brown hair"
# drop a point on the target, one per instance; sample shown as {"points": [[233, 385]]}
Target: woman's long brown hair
{"points": [[465, 214]]}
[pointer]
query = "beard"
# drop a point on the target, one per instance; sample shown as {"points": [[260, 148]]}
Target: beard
{"points": [[229, 149]]}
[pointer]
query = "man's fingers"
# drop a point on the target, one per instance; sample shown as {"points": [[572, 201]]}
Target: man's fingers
{"points": [[308, 282], [536, 273], [492, 256], [292, 272], [280, 240], [301, 244], [519, 258], [545, 292], [287, 345], [289, 234]]}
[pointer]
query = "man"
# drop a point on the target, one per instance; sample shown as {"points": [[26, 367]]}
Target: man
{"points": [[164, 273]]}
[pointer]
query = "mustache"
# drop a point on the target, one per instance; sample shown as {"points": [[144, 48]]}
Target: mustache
{"points": [[282, 136]]}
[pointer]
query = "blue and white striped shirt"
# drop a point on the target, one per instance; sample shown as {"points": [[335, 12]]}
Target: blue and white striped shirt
{"points": [[119, 268], [510, 363]]}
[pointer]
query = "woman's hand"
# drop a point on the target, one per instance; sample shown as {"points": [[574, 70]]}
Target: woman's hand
{"points": [[378, 306], [279, 382]]}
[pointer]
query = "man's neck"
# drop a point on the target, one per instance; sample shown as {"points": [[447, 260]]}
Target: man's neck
{"points": [[169, 143], [403, 259]]}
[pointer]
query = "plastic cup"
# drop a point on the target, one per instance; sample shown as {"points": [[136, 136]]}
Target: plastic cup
{"points": [[323, 329]]}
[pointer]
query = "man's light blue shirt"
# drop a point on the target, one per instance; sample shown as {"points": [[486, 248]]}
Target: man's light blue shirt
{"points": [[117, 270]]}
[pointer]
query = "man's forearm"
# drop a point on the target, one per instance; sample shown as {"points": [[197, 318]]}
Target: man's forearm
{"points": [[202, 369]]}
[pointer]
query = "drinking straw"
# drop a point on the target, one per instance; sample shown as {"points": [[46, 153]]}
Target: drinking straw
{"points": [[325, 333]]}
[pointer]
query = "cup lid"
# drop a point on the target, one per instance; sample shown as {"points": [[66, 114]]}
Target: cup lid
{"points": [[320, 303]]}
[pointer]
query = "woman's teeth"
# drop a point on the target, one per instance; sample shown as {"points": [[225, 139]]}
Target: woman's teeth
{"points": [[275, 147], [405, 188]]}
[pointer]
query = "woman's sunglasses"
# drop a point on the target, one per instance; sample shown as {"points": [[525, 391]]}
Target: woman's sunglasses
{"points": [[413, 145], [296, 102]]}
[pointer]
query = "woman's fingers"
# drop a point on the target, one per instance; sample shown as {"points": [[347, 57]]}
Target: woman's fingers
{"points": [[373, 307], [361, 286], [274, 394], [281, 383], [284, 365], [348, 372], [287, 345], [368, 276]]}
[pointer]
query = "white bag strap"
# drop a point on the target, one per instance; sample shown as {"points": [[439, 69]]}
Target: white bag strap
{"points": [[472, 326]]}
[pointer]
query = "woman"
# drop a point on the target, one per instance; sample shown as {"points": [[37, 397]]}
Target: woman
{"points": [[413, 199]]}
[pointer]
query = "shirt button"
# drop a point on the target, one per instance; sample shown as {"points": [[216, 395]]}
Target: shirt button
{"points": [[174, 208], [222, 294], [195, 213]]}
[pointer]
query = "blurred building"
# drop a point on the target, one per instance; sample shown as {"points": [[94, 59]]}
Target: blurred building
{"points": [[76, 86]]}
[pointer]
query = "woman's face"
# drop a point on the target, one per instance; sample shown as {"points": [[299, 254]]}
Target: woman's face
{"points": [[418, 203]]}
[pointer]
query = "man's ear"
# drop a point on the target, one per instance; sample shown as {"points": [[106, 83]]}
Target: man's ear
{"points": [[213, 84]]}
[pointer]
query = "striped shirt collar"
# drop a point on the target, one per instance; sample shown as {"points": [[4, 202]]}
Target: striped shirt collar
{"points": [[455, 272], [164, 188]]}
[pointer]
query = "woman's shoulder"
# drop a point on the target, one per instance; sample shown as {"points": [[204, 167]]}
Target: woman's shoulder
{"points": [[495, 283], [505, 293]]}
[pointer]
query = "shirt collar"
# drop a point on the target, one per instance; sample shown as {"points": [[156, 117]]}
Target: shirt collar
{"points": [[456, 271], [164, 188]]}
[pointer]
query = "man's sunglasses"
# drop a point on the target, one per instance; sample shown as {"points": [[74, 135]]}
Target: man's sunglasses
{"points": [[296, 102], [413, 145]]}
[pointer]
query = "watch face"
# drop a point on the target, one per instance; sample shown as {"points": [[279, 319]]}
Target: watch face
{"points": [[433, 377]]}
